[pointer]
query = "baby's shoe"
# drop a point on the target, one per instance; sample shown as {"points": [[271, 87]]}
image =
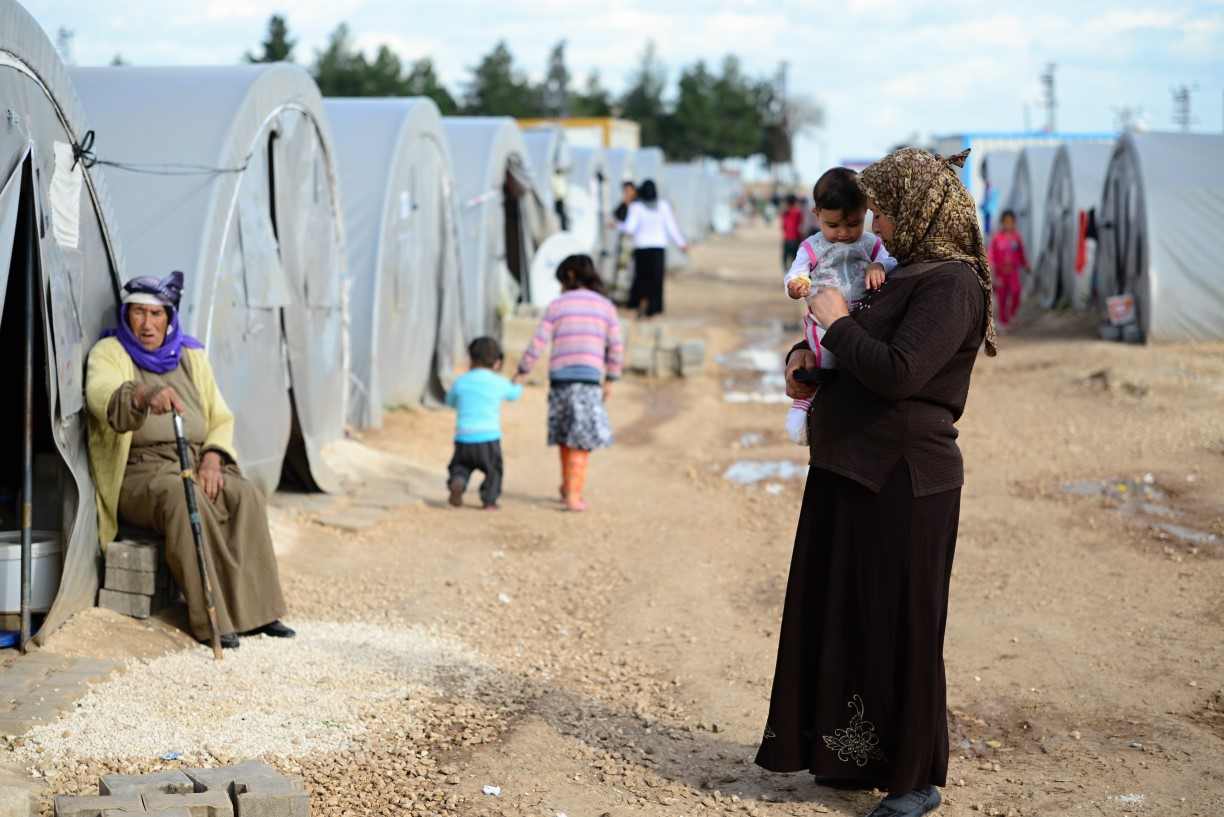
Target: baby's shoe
{"points": [[796, 422]]}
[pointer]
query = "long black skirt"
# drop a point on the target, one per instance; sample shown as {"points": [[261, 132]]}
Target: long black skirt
{"points": [[648, 267], [859, 690]]}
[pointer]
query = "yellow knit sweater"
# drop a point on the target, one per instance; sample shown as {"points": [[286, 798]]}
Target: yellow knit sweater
{"points": [[109, 366]]}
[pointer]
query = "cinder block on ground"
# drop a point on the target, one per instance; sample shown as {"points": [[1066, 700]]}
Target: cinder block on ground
{"points": [[94, 805], [173, 811], [127, 554], [639, 359], [692, 357], [215, 803], [268, 799], [666, 363], [247, 773], [135, 605], [167, 782], [15, 802], [130, 581]]}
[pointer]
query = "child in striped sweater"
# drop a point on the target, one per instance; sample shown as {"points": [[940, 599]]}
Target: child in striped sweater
{"points": [[585, 359]]}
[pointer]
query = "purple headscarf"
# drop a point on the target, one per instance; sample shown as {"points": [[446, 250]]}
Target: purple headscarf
{"points": [[161, 292]]}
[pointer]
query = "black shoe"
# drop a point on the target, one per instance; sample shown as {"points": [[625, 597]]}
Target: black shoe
{"points": [[229, 641], [274, 629], [911, 804], [456, 487]]}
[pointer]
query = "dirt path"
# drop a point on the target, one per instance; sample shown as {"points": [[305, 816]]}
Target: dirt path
{"points": [[629, 649]]}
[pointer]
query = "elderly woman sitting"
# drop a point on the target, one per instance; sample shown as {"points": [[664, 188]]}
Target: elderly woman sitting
{"points": [[136, 375]]}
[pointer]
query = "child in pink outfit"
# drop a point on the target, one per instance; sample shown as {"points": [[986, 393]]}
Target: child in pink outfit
{"points": [[1007, 259]]}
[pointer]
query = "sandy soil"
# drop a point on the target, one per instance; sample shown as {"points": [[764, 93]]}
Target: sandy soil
{"points": [[634, 644]]}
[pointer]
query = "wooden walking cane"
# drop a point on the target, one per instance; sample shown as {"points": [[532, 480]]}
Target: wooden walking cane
{"points": [[189, 487]]}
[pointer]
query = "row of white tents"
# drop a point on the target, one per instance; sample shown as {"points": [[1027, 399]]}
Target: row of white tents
{"points": [[338, 254], [1156, 200]]}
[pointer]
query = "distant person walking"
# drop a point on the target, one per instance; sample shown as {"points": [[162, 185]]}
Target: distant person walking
{"points": [[651, 223], [477, 397], [584, 334], [1007, 260], [792, 222]]}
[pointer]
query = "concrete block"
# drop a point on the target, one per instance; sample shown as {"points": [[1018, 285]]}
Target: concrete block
{"points": [[639, 359], [128, 604], [167, 782], [94, 805], [130, 581], [16, 802], [215, 803], [692, 351], [127, 554], [166, 812], [666, 363], [247, 773], [271, 800]]}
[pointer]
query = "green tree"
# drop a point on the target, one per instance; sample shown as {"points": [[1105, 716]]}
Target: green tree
{"points": [[643, 99], [592, 100], [385, 75], [738, 123], [497, 88], [339, 69], [277, 47], [423, 80], [693, 127], [118, 60], [554, 94]]}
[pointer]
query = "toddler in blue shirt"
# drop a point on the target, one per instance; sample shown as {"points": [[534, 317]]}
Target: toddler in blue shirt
{"points": [[477, 396]]}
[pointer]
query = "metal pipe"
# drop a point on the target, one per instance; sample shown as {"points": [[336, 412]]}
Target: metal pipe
{"points": [[27, 442]]}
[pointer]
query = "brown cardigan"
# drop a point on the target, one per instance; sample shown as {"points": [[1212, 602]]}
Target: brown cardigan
{"points": [[904, 361]]}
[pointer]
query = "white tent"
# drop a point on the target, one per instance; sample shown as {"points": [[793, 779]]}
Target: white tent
{"points": [[1026, 198], [648, 164], [549, 160], [401, 218], [502, 217], [242, 198], [589, 203], [55, 233], [690, 198], [998, 171], [1160, 236], [1077, 177]]}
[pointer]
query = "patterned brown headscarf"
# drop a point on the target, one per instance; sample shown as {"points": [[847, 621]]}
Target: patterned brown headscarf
{"points": [[935, 217]]}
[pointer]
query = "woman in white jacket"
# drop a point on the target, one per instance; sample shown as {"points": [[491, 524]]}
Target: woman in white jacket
{"points": [[651, 223]]}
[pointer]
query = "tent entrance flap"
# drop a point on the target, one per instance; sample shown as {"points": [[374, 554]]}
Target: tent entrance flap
{"points": [[516, 231], [46, 494]]}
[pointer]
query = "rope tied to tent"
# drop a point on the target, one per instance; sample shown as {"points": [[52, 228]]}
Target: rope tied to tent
{"points": [[83, 153]]}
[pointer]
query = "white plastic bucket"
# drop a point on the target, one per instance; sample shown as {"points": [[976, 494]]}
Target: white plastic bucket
{"points": [[46, 566]]}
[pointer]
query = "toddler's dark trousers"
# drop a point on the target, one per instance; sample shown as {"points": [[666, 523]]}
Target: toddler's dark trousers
{"points": [[483, 457]]}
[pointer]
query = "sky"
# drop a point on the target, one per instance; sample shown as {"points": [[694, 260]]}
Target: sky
{"points": [[882, 71]]}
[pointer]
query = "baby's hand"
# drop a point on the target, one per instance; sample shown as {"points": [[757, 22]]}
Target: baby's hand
{"points": [[875, 276], [799, 287]]}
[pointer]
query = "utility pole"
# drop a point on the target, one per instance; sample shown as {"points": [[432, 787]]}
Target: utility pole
{"points": [[63, 44], [1048, 100], [1181, 105]]}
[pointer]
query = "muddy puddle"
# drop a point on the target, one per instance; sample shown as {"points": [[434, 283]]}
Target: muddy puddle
{"points": [[754, 373], [1147, 502]]}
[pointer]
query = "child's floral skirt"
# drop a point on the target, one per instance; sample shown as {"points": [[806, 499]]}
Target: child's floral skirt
{"points": [[576, 416]]}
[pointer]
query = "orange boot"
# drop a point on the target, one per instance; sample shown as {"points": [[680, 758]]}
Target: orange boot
{"points": [[575, 478]]}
